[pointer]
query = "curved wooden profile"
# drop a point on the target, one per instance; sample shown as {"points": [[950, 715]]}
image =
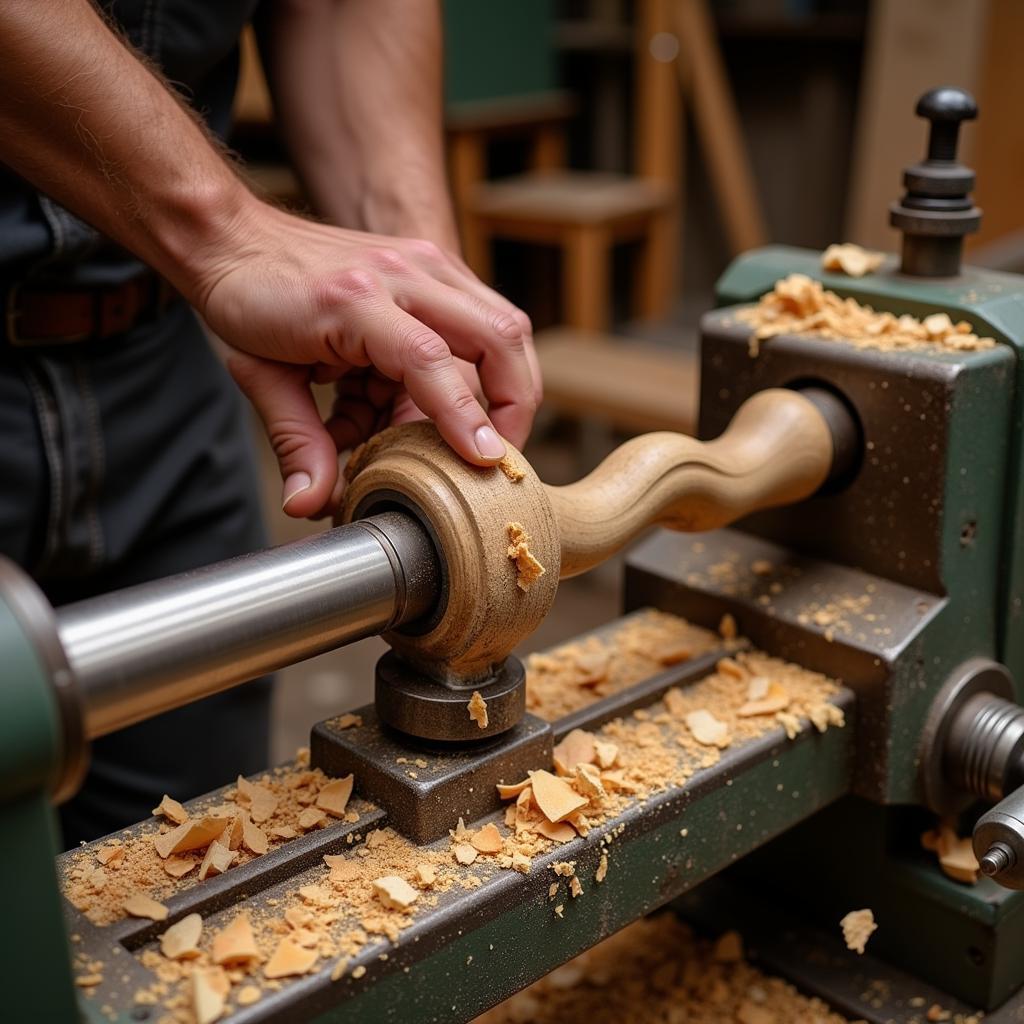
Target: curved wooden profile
{"points": [[777, 450]]}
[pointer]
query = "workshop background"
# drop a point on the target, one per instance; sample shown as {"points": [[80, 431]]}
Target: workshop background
{"points": [[609, 157]]}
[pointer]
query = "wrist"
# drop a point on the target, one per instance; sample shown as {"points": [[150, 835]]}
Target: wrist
{"points": [[199, 230]]}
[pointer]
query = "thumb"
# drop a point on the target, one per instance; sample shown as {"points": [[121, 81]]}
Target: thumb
{"points": [[308, 458]]}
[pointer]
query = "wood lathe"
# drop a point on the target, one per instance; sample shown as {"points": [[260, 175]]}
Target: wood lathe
{"points": [[875, 582]]}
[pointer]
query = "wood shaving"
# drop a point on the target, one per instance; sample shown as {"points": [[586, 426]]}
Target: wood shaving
{"points": [[528, 569], [312, 817], [236, 943], [707, 729], [554, 796], [141, 905], [955, 853], [395, 892], [657, 970], [192, 835], [171, 810], [851, 259], [773, 699], [426, 874], [181, 940], [562, 680], [334, 797], [347, 721], [290, 959], [477, 708], [210, 989], [858, 926], [260, 801], [800, 305], [217, 860], [510, 466], [602, 869], [576, 748], [488, 839], [465, 854]]}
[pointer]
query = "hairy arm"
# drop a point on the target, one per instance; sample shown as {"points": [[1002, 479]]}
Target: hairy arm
{"points": [[83, 119]]}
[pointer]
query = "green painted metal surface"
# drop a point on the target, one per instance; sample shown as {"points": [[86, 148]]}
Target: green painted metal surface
{"points": [[994, 304], [34, 951], [502, 940], [495, 51]]}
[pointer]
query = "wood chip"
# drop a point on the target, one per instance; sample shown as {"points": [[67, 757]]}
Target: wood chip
{"points": [[575, 887], [334, 797], [260, 801], [577, 747], [588, 782], [775, 699], [602, 869], [554, 796], [283, 832], [394, 892], [507, 792], [528, 569], [235, 944], [248, 994], [727, 627], [181, 940], [210, 987], [465, 854], [731, 667], [488, 839], [217, 860], [857, 927], [957, 860], [477, 708], [520, 863], [851, 259], [675, 702], [729, 948], [171, 810], [707, 729], [347, 721], [426, 874], [311, 817], [141, 905], [343, 870], [562, 832], [231, 837], [254, 839], [606, 754], [192, 835], [511, 467], [178, 867], [111, 856], [591, 667], [289, 958]]}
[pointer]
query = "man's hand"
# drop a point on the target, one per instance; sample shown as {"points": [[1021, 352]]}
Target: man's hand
{"points": [[303, 302]]}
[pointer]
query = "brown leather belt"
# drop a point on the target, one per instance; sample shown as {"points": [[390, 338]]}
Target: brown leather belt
{"points": [[39, 315]]}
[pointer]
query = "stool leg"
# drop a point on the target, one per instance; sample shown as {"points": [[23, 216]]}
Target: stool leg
{"points": [[653, 283], [468, 167], [586, 276], [547, 153]]}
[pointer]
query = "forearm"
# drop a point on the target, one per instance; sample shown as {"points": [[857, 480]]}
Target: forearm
{"points": [[357, 85], [86, 122]]}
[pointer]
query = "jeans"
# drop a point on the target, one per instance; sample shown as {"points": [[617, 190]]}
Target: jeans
{"points": [[123, 461]]}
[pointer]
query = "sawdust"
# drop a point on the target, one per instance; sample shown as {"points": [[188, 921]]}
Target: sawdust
{"points": [[800, 305], [528, 569], [658, 970], [574, 675], [100, 889]]}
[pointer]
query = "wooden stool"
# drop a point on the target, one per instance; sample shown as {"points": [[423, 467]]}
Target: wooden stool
{"points": [[585, 214], [625, 384]]}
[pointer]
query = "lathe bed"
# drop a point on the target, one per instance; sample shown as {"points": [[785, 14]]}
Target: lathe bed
{"points": [[489, 930]]}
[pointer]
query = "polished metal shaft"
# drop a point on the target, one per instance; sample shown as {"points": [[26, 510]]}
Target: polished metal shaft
{"points": [[157, 646]]}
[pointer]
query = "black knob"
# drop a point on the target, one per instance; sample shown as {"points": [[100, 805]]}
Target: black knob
{"points": [[945, 107], [936, 210]]}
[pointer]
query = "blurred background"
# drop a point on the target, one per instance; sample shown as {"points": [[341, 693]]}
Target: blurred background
{"points": [[609, 157]]}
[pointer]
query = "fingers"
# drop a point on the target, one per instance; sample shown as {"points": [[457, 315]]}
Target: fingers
{"points": [[490, 338], [305, 452], [405, 349]]}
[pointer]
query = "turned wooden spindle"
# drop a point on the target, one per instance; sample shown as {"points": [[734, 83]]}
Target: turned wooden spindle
{"points": [[778, 449]]}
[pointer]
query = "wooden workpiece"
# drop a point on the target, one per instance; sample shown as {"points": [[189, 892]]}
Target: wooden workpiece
{"points": [[777, 450]]}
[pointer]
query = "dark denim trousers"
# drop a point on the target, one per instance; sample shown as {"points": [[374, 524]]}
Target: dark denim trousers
{"points": [[120, 462]]}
